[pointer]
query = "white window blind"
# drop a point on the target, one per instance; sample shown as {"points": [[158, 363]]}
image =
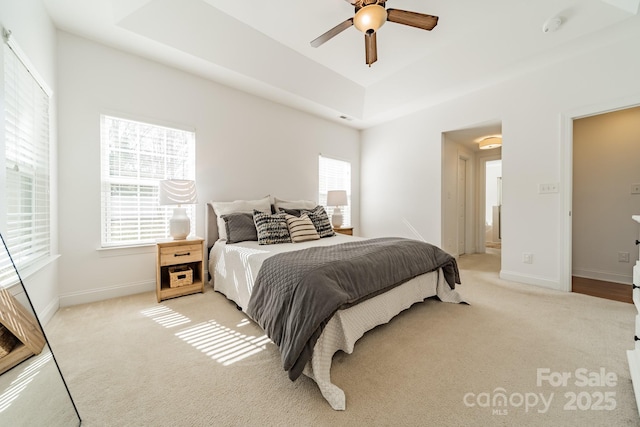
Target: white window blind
{"points": [[335, 174], [135, 157], [26, 204]]}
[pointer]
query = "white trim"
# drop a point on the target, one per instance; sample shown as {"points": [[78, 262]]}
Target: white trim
{"points": [[530, 280], [99, 294], [141, 118], [30, 270], [126, 250], [566, 166], [25, 61], [49, 311]]}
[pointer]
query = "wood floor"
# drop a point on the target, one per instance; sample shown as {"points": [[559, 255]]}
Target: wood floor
{"points": [[601, 289]]}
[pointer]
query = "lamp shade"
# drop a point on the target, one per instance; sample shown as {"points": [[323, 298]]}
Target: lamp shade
{"points": [[370, 18], [178, 192], [336, 198]]}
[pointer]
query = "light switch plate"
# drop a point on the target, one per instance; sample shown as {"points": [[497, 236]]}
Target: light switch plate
{"points": [[548, 188]]}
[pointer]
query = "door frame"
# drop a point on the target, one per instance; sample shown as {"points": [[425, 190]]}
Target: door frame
{"points": [[566, 162], [462, 195]]}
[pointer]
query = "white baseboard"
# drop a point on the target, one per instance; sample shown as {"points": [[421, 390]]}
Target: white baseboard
{"points": [[603, 275], [93, 295], [47, 314], [534, 280]]}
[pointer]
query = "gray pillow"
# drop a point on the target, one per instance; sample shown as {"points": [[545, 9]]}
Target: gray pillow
{"points": [[321, 221], [240, 227], [272, 228], [294, 212]]}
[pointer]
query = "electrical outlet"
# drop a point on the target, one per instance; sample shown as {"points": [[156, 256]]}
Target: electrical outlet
{"points": [[635, 188], [623, 256], [527, 258]]}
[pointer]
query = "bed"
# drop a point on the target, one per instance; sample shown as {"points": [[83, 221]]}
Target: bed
{"points": [[234, 269]]}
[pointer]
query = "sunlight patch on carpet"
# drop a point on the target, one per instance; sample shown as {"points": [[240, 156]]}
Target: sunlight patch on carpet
{"points": [[166, 316], [22, 381], [224, 345]]}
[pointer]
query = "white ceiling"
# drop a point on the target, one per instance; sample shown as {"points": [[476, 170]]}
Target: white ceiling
{"points": [[262, 47]]}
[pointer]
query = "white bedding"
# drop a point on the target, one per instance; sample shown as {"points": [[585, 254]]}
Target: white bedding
{"points": [[234, 268]]}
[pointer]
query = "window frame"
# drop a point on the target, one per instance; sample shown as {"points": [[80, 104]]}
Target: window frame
{"points": [[26, 141], [327, 183], [155, 226]]}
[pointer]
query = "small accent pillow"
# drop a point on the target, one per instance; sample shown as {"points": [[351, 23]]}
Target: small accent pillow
{"points": [[240, 227], [271, 228], [301, 228], [293, 204], [246, 206], [320, 221], [294, 212]]}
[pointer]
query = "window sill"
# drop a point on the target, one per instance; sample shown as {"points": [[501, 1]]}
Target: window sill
{"points": [[112, 251], [31, 270]]}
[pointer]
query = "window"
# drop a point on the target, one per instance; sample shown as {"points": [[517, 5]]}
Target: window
{"points": [[335, 175], [135, 157], [25, 168]]}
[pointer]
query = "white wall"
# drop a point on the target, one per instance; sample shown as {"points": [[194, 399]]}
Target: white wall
{"points": [[246, 147], [34, 32], [531, 107], [606, 158]]}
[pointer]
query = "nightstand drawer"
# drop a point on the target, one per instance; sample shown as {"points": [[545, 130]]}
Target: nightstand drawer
{"points": [[180, 254]]}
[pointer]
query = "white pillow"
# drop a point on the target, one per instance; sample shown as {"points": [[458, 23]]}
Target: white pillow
{"points": [[244, 206], [296, 204]]}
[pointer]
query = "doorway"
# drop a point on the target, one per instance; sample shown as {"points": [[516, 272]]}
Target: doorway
{"points": [[606, 168], [463, 216], [493, 203]]}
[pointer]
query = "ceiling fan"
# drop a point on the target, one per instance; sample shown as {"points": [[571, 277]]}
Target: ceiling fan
{"points": [[369, 17]]}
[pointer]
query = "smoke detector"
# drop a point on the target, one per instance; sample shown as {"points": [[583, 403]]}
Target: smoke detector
{"points": [[552, 24]]}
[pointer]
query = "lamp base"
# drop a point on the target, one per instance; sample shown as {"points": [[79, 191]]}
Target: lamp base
{"points": [[337, 218], [179, 224]]}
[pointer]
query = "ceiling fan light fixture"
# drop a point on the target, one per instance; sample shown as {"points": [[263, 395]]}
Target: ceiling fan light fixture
{"points": [[370, 18], [490, 142]]}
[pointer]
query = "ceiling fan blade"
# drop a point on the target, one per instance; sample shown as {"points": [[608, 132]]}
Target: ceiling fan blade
{"points": [[371, 48], [413, 19], [332, 32]]}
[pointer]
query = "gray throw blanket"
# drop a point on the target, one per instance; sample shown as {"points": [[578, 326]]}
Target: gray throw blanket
{"points": [[296, 293]]}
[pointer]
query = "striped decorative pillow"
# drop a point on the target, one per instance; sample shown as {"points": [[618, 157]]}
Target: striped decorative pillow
{"points": [[320, 221], [271, 228], [301, 228]]}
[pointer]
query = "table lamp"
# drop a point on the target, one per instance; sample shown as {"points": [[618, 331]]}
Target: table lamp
{"points": [[337, 198], [178, 192]]}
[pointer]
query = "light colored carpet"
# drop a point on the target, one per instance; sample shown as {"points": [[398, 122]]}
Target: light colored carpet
{"points": [[131, 361]]}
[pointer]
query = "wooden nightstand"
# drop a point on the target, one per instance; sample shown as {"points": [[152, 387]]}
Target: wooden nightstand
{"points": [[176, 260], [344, 230]]}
